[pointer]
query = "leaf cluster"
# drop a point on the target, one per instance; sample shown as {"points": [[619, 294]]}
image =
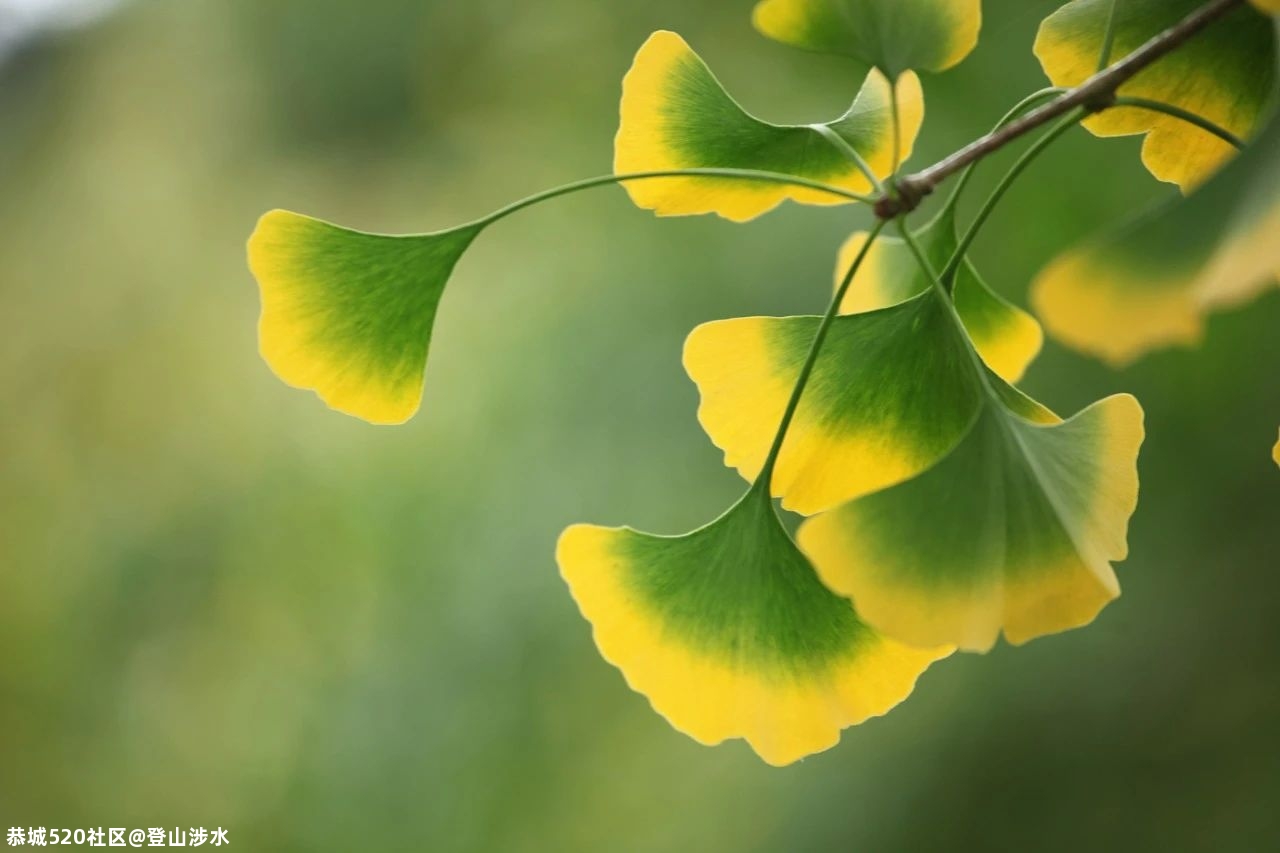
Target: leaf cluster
{"points": [[942, 506]]}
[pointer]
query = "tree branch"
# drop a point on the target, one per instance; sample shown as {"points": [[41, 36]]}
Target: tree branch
{"points": [[1095, 94]]}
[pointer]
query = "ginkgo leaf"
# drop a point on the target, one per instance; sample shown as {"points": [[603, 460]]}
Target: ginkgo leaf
{"points": [[1275, 452], [1271, 6], [676, 115], [893, 35], [892, 390], [1006, 337], [1150, 282], [349, 314], [1014, 530], [1225, 74], [730, 634]]}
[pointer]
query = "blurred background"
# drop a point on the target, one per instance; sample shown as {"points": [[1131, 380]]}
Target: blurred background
{"points": [[223, 604]]}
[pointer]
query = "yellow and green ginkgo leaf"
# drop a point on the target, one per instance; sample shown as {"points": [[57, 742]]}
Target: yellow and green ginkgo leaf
{"points": [[900, 403], [1149, 283], [1226, 74], [676, 115], [1006, 337], [1014, 530], [349, 314], [893, 389], [892, 35], [730, 634]]}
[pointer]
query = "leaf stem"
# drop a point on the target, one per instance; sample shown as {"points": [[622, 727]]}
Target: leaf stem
{"points": [[936, 282], [733, 174], [1001, 188], [923, 261], [842, 145], [897, 127], [1179, 113], [1095, 93], [1108, 37], [819, 337], [1018, 109]]}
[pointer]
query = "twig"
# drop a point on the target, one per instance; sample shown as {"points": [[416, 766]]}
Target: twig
{"points": [[1095, 94]]}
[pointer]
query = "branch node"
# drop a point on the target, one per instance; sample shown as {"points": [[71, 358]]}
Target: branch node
{"points": [[906, 197]]}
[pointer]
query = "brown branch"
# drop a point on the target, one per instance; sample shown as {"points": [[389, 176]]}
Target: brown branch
{"points": [[1097, 93]]}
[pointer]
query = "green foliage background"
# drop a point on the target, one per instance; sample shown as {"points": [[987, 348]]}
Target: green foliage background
{"points": [[222, 604]]}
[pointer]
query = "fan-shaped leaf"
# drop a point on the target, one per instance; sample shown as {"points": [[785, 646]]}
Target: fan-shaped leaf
{"points": [[1006, 337], [1225, 74], [893, 35], [349, 314], [1149, 283], [1015, 529], [891, 392], [730, 633], [676, 115]]}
